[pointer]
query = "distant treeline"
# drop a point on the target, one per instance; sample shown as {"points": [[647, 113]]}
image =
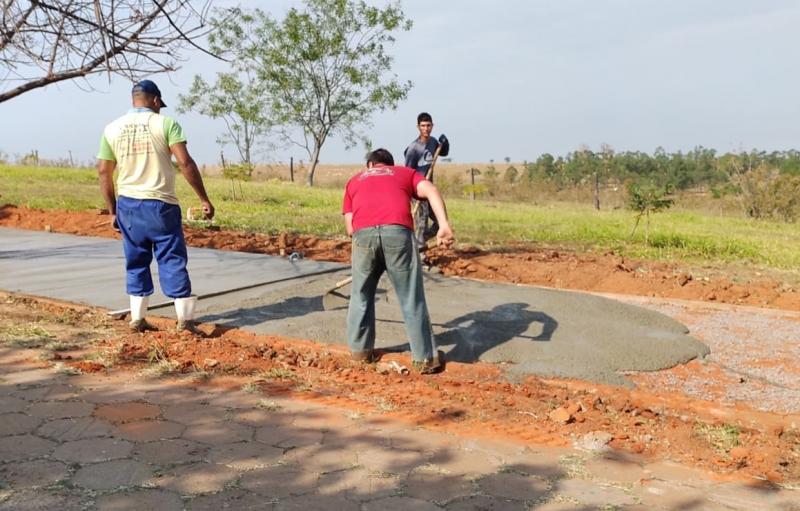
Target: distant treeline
{"points": [[700, 167]]}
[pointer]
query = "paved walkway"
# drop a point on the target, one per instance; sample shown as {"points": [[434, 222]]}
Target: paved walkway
{"points": [[122, 441]]}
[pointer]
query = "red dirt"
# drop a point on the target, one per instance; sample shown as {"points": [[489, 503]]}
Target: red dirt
{"points": [[474, 399], [522, 264]]}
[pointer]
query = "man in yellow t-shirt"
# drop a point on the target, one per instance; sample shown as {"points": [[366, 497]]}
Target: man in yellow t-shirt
{"points": [[140, 146]]}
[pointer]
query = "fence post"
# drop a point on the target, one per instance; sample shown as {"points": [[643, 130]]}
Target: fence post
{"points": [[291, 168]]}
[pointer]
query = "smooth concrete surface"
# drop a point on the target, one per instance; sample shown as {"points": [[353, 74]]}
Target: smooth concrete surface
{"points": [[531, 330], [91, 270]]}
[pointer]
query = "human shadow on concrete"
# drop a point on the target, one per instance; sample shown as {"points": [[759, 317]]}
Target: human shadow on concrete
{"points": [[293, 307], [475, 333]]}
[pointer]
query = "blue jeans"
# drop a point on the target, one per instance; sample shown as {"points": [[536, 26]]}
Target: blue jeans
{"points": [[388, 248], [150, 227]]}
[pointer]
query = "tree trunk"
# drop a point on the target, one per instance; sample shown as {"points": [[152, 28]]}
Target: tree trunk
{"points": [[597, 191], [314, 161]]}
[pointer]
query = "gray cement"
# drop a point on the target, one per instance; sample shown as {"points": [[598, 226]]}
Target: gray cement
{"points": [[528, 329]]}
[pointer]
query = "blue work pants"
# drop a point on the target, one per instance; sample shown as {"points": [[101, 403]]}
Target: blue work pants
{"points": [[153, 227]]}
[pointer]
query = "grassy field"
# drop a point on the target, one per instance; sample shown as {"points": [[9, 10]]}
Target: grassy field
{"points": [[692, 235]]}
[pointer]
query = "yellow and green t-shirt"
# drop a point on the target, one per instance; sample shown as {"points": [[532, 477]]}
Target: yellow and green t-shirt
{"points": [[139, 142]]}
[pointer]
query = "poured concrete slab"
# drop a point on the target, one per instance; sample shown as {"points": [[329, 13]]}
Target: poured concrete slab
{"points": [[91, 271], [535, 330]]}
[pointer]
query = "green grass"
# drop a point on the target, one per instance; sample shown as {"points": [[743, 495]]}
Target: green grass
{"points": [[681, 233]]}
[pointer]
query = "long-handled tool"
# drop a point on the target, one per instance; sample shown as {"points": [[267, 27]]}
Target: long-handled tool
{"points": [[414, 209], [120, 314]]}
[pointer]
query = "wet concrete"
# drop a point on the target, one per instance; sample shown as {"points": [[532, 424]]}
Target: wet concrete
{"points": [[532, 330]]}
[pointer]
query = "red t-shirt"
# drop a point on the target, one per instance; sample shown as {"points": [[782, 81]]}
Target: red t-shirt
{"points": [[381, 196]]}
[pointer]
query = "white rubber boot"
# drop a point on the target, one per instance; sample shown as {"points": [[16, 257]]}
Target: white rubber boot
{"points": [[138, 310], [184, 310]]}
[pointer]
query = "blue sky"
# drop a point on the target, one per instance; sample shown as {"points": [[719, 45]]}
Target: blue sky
{"points": [[518, 79]]}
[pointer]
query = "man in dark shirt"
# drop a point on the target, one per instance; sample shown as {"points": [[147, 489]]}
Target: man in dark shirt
{"points": [[419, 156]]}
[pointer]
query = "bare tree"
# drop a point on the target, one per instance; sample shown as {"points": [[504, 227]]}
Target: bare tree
{"points": [[45, 42]]}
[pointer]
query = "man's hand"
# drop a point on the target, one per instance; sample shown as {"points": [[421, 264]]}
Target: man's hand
{"points": [[114, 223], [208, 210], [444, 237]]}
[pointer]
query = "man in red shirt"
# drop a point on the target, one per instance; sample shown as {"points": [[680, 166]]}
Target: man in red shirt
{"points": [[377, 214]]}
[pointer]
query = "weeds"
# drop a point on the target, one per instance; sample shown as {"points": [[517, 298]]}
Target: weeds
{"points": [[25, 336], [270, 406], [277, 373], [722, 438], [574, 466], [161, 368], [62, 368], [251, 387]]}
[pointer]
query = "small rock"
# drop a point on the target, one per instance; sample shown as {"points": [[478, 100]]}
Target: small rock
{"points": [[596, 441], [739, 453], [560, 415], [48, 228], [210, 362]]}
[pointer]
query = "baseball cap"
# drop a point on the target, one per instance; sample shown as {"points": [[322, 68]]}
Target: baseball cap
{"points": [[148, 87]]}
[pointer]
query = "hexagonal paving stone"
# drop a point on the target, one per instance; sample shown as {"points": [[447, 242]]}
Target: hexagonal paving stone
{"points": [[390, 460], [280, 481], [67, 430], [32, 474], [288, 436], [39, 500], [511, 486], [428, 484], [482, 503], [358, 484], [93, 450], [258, 417], [12, 404], [617, 469], [232, 499], [245, 455], [400, 504], [174, 396], [60, 409], [748, 498], [236, 400], [670, 495], [127, 412], [54, 392], [198, 478], [61, 393], [31, 377], [322, 458], [150, 431], [18, 424], [317, 503], [23, 447], [171, 452], [218, 433], [112, 475], [194, 413], [157, 500], [592, 494], [458, 461]]}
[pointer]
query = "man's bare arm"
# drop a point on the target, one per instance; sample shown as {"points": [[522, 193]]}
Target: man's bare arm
{"points": [[348, 223], [105, 175], [427, 190], [192, 174]]}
